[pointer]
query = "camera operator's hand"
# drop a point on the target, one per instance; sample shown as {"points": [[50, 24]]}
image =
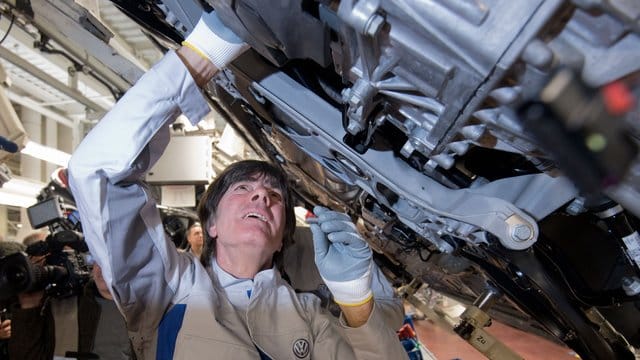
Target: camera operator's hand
{"points": [[40, 260], [5, 329], [31, 300]]}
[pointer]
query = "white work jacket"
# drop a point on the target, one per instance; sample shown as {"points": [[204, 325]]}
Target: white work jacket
{"points": [[173, 306]]}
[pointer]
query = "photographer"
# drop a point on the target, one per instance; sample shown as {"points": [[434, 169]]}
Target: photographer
{"points": [[32, 241], [85, 326], [6, 248]]}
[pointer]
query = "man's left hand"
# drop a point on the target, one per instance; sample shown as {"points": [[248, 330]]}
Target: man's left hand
{"points": [[343, 258]]}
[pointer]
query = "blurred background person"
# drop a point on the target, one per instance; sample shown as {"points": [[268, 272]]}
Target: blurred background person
{"points": [[87, 325], [5, 333], [6, 248], [32, 241], [35, 237], [195, 239]]}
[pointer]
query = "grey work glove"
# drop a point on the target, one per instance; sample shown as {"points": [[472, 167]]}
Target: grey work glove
{"points": [[212, 40], [343, 258]]}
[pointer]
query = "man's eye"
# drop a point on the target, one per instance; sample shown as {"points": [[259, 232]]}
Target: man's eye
{"points": [[242, 187], [276, 195]]}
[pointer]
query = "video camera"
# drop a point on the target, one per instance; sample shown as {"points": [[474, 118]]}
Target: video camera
{"points": [[65, 270]]}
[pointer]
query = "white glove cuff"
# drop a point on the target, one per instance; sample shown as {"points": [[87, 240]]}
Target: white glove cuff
{"points": [[212, 47], [352, 292]]}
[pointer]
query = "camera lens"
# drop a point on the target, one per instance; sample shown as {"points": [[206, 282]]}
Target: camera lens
{"points": [[17, 276]]}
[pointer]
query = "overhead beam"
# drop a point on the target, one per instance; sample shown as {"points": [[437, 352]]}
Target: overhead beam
{"points": [[50, 80], [67, 24], [35, 106], [26, 39]]}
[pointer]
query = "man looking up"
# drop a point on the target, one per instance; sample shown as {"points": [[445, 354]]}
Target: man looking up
{"points": [[235, 304]]}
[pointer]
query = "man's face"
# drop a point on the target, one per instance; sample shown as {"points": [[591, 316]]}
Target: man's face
{"points": [[194, 237], [250, 217]]}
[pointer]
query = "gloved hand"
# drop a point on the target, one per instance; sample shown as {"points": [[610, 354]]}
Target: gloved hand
{"points": [[343, 258], [212, 40]]}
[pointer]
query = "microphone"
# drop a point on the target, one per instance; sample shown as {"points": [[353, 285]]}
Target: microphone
{"points": [[8, 145]]}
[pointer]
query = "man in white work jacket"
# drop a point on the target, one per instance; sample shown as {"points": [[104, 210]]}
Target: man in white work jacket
{"points": [[236, 306]]}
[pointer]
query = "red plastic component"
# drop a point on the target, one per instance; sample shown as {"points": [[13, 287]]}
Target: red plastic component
{"points": [[406, 332], [618, 98]]}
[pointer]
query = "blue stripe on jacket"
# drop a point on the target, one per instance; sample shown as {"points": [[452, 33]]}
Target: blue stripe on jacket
{"points": [[168, 331]]}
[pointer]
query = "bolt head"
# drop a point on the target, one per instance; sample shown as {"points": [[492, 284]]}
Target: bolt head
{"points": [[521, 232]]}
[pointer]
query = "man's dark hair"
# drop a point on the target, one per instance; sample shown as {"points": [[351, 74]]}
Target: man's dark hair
{"points": [[34, 237], [234, 173]]}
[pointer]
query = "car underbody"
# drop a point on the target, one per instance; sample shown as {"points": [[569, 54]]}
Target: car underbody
{"points": [[478, 144]]}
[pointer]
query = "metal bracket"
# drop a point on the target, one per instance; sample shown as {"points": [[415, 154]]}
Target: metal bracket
{"points": [[471, 329]]}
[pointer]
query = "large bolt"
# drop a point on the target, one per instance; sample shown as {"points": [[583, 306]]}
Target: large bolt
{"points": [[444, 160], [374, 24], [354, 127], [473, 132], [538, 54], [631, 286], [521, 232], [576, 207]]}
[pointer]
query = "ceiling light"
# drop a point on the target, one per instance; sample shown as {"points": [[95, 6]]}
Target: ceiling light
{"points": [[23, 186], [46, 153], [7, 198], [230, 143], [20, 192]]}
